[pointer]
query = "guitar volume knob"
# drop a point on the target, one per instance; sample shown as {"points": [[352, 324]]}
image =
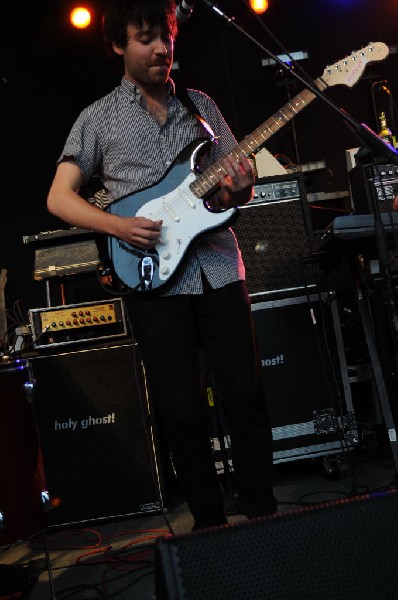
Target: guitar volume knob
{"points": [[166, 254]]}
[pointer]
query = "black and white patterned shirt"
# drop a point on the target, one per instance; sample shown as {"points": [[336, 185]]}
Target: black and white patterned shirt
{"points": [[119, 139]]}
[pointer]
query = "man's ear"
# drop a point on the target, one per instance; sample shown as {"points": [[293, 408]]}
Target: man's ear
{"points": [[117, 49]]}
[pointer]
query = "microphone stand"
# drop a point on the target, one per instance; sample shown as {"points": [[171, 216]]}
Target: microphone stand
{"points": [[380, 150]]}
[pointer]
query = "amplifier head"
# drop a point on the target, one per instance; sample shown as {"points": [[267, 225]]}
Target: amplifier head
{"points": [[77, 323]]}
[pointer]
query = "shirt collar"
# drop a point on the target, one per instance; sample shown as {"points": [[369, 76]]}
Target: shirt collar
{"points": [[134, 92]]}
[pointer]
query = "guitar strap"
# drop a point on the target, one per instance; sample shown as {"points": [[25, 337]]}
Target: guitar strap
{"points": [[182, 94], [185, 98]]}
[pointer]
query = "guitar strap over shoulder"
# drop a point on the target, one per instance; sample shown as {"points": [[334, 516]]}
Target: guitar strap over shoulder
{"points": [[186, 100]]}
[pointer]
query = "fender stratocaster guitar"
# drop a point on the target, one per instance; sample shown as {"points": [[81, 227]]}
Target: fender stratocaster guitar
{"points": [[179, 198]]}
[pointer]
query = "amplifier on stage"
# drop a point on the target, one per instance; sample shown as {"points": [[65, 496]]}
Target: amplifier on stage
{"points": [[63, 252], [272, 231], [383, 181], [77, 323]]}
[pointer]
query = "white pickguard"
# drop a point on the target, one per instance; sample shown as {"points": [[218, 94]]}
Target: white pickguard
{"points": [[184, 217]]}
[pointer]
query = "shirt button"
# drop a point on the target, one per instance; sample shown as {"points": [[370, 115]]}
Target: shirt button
{"points": [[168, 163]]}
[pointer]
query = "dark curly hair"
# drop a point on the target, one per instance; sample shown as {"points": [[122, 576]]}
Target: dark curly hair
{"points": [[118, 14]]}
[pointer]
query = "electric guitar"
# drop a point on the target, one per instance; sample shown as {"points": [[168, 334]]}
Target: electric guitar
{"points": [[179, 198]]}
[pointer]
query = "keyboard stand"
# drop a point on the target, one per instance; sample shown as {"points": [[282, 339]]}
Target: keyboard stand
{"points": [[378, 377]]}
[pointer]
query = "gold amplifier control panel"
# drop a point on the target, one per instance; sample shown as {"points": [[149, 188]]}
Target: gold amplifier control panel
{"points": [[79, 316], [77, 323]]}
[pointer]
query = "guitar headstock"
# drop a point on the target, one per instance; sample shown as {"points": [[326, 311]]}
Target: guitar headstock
{"points": [[350, 69]]}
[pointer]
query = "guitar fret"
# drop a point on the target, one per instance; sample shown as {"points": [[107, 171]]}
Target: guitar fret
{"points": [[239, 153], [251, 146], [263, 136], [197, 188]]}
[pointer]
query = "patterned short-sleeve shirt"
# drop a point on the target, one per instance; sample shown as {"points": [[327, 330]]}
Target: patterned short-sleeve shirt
{"points": [[118, 139]]}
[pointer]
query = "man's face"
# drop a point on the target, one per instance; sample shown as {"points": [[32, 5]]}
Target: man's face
{"points": [[148, 55]]}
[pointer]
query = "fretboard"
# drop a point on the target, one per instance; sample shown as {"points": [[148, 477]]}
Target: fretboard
{"points": [[208, 180]]}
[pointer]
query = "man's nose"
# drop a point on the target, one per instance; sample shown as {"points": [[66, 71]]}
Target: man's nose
{"points": [[161, 48]]}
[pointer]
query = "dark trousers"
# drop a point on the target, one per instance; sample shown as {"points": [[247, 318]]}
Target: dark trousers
{"points": [[169, 331]]}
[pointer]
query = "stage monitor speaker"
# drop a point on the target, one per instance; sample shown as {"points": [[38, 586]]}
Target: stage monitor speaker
{"points": [[272, 231], [344, 549], [99, 453]]}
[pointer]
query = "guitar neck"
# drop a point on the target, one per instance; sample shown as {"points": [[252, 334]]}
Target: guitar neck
{"points": [[208, 180]]}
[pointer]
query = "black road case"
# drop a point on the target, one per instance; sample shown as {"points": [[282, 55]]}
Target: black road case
{"points": [[305, 378]]}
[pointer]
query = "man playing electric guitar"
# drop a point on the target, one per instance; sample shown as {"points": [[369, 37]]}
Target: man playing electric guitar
{"points": [[131, 137]]}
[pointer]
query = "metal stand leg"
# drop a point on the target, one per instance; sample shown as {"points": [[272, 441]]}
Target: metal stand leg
{"points": [[378, 377], [49, 568], [349, 424]]}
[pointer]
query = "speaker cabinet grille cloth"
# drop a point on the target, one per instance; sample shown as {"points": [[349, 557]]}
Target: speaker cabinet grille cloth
{"points": [[335, 551], [272, 237], [99, 455]]}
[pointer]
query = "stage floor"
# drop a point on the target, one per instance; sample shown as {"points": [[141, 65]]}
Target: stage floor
{"points": [[115, 558]]}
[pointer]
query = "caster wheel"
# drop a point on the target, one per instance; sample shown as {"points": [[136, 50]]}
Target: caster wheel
{"points": [[331, 468]]}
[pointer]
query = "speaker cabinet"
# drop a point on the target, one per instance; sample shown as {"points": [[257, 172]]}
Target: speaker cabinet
{"points": [[100, 459], [344, 549], [272, 231]]}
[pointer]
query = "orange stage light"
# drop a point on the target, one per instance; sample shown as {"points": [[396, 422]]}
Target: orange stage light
{"points": [[259, 6], [80, 17]]}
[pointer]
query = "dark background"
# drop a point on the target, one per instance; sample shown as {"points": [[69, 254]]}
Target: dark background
{"points": [[49, 72]]}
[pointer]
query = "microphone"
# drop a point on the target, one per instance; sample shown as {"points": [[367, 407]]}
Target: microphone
{"points": [[184, 10]]}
